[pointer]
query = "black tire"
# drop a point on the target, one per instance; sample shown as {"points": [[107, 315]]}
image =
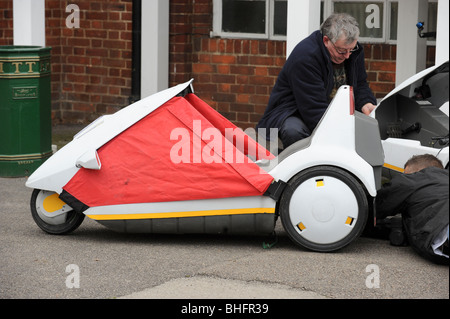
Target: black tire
{"points": [[66, 222], [330, 201]]}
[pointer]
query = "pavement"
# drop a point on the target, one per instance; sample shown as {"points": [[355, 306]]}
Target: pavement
{"points": [[63, 134], [94, 262]]}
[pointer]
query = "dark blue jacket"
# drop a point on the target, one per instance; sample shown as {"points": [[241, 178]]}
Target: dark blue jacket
{"points": [[422, 199], [306, 81]]}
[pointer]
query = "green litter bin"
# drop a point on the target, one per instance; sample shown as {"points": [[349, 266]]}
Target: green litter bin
{"points": [[25, 109]]}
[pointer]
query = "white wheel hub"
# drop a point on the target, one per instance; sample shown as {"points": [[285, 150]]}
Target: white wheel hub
{"points": [[323, 210]]}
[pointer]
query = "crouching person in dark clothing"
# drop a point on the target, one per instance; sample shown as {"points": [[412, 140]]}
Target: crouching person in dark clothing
{"points": [[421, 196]]}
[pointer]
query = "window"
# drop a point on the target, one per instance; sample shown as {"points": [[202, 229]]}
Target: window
{"points": [[260, 19], [370, 17], [377, 19], [394, 20], [431, 25], [267, 19]]}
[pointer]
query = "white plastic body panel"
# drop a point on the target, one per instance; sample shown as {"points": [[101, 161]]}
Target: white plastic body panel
{"points": [[62, 166], [332, 143], [398, 151], [193, 208]]}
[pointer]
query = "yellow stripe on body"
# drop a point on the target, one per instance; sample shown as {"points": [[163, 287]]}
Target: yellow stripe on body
{"points": [[218, 212], [395, 168]]}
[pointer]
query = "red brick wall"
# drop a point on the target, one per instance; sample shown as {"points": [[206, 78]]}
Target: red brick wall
{"points": [[380, 67], [91, 65], [236, 76], [232, 75], [6, 22]]}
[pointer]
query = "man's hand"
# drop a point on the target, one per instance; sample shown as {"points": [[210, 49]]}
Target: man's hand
{"points": [[368, 108]]}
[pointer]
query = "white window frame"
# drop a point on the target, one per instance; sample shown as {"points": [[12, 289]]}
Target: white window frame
{"points": [[433, 42], [273, 36], [217, 24], [388, 23], [389, 41], [328, 8]]}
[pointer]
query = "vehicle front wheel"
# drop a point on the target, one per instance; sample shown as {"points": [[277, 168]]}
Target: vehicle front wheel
{"points": [[53, 215], [323, 208]]}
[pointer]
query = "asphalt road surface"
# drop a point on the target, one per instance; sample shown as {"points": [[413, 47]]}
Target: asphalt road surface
{"points": [[96, 263]]}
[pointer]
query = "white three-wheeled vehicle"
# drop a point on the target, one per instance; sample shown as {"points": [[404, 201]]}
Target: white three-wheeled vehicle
{"points": [[169, 163]]}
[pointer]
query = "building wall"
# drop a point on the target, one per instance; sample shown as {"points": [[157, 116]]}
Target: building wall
{"points": [[91, 65], [6, 22], [234, 76]]}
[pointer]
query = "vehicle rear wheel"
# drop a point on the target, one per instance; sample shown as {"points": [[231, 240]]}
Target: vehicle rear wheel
{"points": [[53, 215], [324, 208]]}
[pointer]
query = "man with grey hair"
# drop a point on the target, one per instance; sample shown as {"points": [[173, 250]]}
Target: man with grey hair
{"points": [[316, 68]]}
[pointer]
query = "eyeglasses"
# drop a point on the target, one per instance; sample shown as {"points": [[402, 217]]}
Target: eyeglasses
{"points": [[340, 51]]}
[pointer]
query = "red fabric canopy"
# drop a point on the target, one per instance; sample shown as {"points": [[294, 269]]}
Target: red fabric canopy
{"points": [[178, 152]]}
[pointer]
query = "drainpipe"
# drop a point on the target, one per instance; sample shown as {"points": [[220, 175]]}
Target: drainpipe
{"points": [[136, 52]]}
